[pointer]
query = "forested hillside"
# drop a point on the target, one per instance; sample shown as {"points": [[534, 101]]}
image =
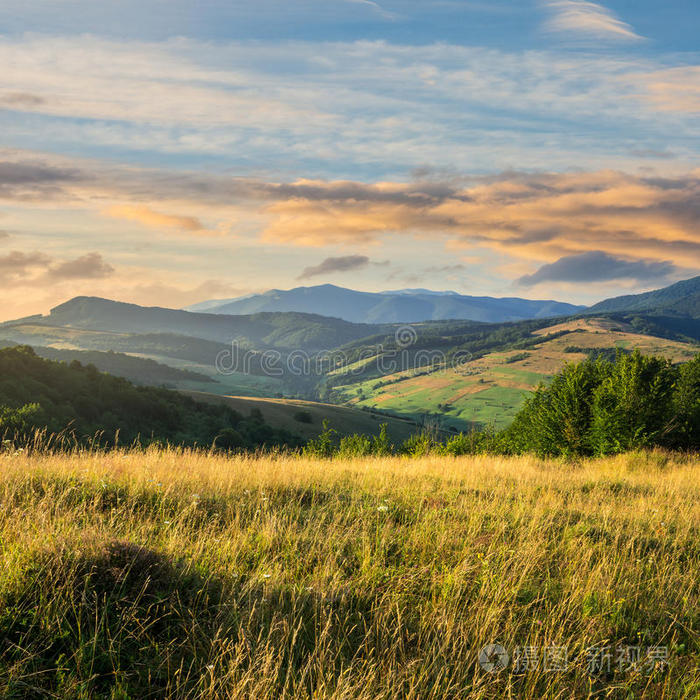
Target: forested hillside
{"points": [[682, 298], [82, 402]]}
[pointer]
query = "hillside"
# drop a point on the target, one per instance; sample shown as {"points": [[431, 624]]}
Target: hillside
{"points": [[490, 389], [138, 370], [306, 418], [80, 401], [404, 306], [682, 298]]}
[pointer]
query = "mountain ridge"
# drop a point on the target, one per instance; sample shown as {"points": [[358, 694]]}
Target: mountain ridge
{"points": [[266, 329], [399, 306], [682, 297]]}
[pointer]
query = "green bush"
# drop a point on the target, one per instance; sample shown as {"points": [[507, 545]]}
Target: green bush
{"points": [[324, 445], [355, 446]]}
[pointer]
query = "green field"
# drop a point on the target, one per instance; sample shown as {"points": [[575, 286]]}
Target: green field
{"points": [[489, 390]]}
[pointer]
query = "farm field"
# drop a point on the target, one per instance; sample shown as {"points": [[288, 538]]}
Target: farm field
{"points": [[180, 574], [489, 391]]}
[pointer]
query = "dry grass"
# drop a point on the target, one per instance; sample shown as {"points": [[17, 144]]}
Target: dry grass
{"points": [[170, 574]]}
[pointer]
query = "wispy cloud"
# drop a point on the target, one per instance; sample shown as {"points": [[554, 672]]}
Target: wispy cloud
{"points": [[672, 89], [359, 107], [587, 19], [375, 6], [531, 217], [155, 219], [329, 266]]}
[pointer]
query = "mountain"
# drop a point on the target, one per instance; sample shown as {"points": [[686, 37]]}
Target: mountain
{"points": [[293, 331], [402, 306], [682, 298]]}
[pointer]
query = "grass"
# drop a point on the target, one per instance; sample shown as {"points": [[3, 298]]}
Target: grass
{"points": [[187, 575]]}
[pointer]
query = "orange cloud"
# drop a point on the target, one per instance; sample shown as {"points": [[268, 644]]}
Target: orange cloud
{"points": [[536, 217], [672, 89], [154, 219]]}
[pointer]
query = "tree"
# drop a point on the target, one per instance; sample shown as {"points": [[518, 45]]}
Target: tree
{"points": [[632, 407]]}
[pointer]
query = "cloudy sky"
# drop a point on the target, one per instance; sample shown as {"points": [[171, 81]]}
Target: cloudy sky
{"points": [[170, 151]]}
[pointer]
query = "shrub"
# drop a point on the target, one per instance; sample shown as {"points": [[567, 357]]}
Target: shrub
{"points": [[324, 445], [303, 417], [419, 445], [606, 407], [355, 446]]}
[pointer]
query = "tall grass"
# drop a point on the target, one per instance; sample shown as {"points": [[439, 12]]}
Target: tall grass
{"points": [[170, 573]]}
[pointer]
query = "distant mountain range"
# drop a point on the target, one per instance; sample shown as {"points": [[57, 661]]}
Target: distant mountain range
{"points": [[401, 306], [293, 331], [96, 330]]}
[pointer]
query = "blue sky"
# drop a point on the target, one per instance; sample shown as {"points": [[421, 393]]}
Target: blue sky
{"points": [[166, 151]]}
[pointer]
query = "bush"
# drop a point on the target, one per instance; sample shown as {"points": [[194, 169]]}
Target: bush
{"points": [[324, 445], [303, 417], [419, 445], [355, 446]]}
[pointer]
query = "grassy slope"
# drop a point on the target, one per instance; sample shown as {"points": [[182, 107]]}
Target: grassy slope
{"points": [[280, 413], [490, 390], [185, 575]]}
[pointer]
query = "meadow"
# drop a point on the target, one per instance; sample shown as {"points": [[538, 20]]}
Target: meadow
{"points": [[185, 574]]}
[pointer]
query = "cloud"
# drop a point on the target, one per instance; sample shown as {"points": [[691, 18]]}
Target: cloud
{"points": [[671, 89], [653, 153], [33, 179], [17, 265], [587, 19], [358, 104], [21, 100], [89, 266], [38, 269], [154, 219], [445, 269], [527, 216], [532, 216], [597, 266], [331, 265], [375, 6]]}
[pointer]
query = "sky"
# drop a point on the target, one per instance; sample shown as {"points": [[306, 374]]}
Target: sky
{"points": [[165, 152]]}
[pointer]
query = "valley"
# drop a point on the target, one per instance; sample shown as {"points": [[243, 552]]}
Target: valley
{"points": [[452, 375]]}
